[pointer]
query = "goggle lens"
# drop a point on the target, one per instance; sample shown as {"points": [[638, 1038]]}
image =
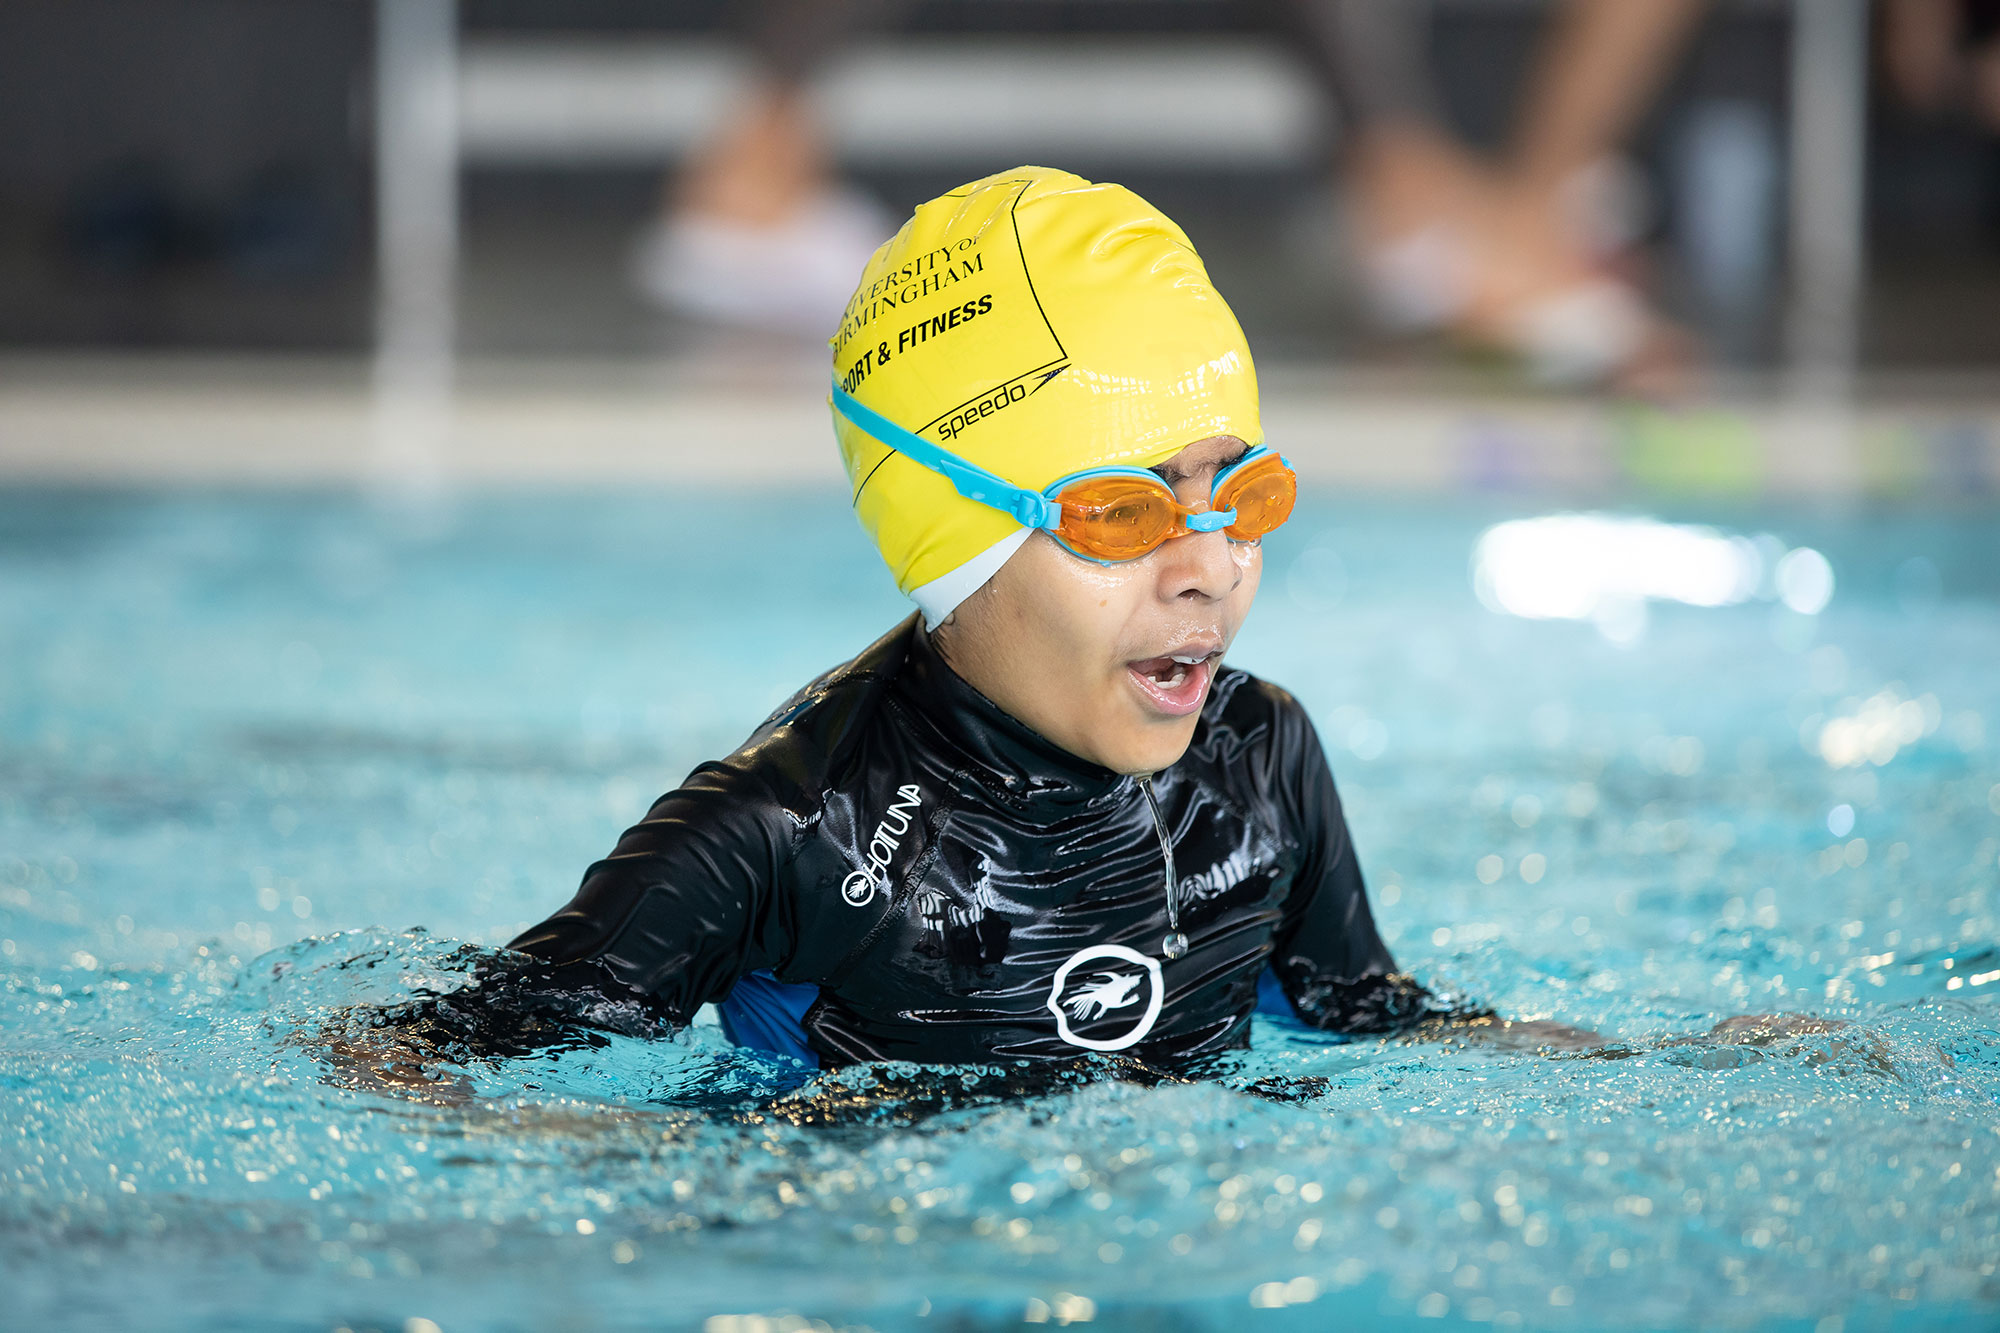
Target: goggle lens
{"points": [[1262, 494], [1116, 518], [1123, 517]]}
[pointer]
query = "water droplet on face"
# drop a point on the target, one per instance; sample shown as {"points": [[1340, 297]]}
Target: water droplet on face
{"points": [[1174, 945]]}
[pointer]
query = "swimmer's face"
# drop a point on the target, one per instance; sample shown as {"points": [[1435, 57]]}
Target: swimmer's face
{"points": [[1112, 662]]}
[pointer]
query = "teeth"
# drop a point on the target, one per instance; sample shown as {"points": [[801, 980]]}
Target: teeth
{"points": [[1188, 661]]}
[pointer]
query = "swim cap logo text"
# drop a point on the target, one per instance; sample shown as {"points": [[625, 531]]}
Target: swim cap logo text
{"points": [[858, 889], [985, 407], [914, 336], [927, 329], [930, 272]]}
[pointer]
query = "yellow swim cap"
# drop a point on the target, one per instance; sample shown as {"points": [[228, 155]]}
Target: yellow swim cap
{"points": [[1037, 324]]}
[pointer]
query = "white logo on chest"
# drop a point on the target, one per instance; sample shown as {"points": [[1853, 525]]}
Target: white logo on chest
{"points": [[858, 889], [1106, 987]]}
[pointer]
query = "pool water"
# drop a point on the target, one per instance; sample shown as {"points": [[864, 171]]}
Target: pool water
{"points": [[264, 757]]}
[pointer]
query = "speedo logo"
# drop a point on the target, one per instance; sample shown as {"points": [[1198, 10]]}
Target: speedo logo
{"points": [[985, 407], [1003, 397], [859, 888]]}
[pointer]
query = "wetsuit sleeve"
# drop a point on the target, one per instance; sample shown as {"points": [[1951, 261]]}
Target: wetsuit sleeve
{"points": [[688, 901], [1329, 959]]}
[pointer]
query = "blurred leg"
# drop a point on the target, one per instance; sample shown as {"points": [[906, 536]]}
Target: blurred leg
{"points": [[1986, 85], [1599, 71], [1495, 254], [1920, 55], [1403, 174], [1371, 56], [1940, 54]]}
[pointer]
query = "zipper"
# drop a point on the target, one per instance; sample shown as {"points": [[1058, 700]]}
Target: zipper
{"points": [[1175, 944]]}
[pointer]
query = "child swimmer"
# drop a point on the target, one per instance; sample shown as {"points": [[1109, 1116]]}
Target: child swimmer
{"points": [[1040, 817]]}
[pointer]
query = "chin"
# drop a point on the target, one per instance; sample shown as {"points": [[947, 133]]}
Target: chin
{"points": [[1148, 750]]}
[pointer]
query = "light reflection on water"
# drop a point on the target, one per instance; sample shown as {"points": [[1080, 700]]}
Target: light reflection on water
{"points": [[246, 741]]}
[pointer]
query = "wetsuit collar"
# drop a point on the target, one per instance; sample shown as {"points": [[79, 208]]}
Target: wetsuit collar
{"points": [[1003, 753]]}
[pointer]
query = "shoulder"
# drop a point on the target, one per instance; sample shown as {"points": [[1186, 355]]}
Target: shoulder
{"points": [[856, 681], [804, 746]]}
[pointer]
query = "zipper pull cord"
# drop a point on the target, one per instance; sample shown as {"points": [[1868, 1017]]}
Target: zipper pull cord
{"points": [[1175, 944]]}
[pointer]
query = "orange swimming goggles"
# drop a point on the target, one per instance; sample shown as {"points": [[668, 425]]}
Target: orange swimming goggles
{"points": [[1107, 514]]}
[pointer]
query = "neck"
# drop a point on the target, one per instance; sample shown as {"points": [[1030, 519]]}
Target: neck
{"points": [[1012, 753], [970, 646]]}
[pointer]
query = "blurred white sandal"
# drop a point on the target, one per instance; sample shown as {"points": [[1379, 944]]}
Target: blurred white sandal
{"points": [[1583, 333]]}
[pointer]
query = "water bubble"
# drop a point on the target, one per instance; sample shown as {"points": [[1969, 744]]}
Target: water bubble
{"points": [[1805, 581], [1875, 730], [1684, 756], [1840, 820]]}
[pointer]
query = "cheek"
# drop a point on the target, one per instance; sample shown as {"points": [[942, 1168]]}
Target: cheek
{"points": [[1084, 605]]}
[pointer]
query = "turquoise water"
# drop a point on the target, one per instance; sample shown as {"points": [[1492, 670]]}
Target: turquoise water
{"points": [[265, 757]]}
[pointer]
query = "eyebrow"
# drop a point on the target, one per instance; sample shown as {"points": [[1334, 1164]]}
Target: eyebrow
{"points": [[1170, 474]]}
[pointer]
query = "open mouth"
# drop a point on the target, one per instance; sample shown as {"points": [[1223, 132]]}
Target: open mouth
{"points": [[1174, 684]]}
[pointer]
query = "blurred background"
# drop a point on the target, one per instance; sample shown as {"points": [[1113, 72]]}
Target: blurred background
{"points": [[424, 239]]}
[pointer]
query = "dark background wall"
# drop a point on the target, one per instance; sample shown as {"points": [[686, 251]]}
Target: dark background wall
{"points": [[195, 173]]}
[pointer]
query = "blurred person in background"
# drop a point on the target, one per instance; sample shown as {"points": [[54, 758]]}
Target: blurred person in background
{"points": [[756, 229], [1523, 256], [1526, 255], [1941, 55]]}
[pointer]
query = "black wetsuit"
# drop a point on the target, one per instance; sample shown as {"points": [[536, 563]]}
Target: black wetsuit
{"points": [[893, 868]]}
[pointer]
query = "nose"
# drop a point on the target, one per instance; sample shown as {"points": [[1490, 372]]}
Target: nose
{"points": [[1199, 566]]}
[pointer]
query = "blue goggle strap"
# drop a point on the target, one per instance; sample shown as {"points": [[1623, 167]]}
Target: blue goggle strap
{"points": [[969, 479]]}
